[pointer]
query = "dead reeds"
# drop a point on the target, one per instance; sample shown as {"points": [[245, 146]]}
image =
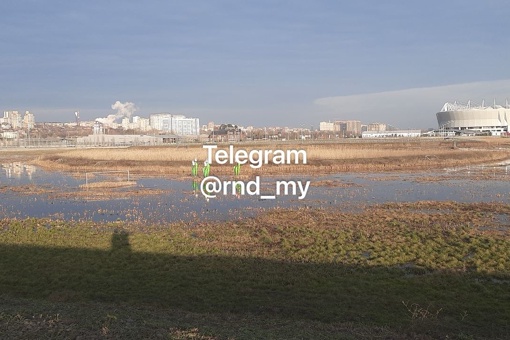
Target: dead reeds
{"points": [[323, 158]]}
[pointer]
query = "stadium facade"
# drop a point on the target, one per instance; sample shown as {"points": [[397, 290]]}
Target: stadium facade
{"points": [[489, 119]]}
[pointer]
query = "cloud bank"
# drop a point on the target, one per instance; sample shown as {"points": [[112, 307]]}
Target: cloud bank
{"points": [[412, 108]]}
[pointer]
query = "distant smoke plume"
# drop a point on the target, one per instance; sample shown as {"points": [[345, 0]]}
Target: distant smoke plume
{"points": [[123, 110]]}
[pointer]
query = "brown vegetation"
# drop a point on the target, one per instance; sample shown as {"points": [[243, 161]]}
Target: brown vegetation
{"points": [[424, 270], [108, 184], [323, 158]]}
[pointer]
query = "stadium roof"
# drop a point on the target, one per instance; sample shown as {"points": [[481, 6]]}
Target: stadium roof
{"points": [[461, 107]]}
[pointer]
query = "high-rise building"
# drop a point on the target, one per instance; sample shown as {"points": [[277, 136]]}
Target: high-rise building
{"points": [[125, 123], [348, 128], [353, 127], [160, 121], [143, 124], [13, 118], [376, 127], [28, 120], [327, 126], [176, 124]]}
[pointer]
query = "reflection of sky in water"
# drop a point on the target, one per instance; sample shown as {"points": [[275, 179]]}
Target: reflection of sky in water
{"points": [[179, 203]]}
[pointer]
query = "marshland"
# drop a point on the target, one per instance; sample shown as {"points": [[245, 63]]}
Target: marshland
{"points": [[325, 157], [400, 239]]}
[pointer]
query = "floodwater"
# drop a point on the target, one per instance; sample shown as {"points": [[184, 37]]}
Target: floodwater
{"points": [[26, 191]]}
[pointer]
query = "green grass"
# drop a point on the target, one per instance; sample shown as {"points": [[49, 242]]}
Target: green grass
{"points": [[37, 319], [423, 270]]}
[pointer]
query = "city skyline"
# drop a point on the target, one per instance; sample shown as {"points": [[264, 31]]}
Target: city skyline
{"points": [[253, 63], [128, 120]]}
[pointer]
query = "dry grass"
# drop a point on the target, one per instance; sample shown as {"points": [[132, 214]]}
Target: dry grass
{"points": [[149, 154], [355, 156], [315, 152], [108, 184], [424, 270]]}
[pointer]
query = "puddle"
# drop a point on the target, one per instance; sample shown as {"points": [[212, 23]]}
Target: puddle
{"points": [[500, 170], [30, 192], [502, 219]]}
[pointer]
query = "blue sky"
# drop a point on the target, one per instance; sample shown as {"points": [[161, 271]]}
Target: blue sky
{"points": [[286, 63]]}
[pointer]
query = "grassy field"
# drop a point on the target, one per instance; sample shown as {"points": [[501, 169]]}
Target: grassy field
{"points": [[423, 270], [330, 157], [420, 271]]}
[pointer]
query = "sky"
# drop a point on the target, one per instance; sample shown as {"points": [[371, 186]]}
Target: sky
{"points": [[262, 63]]}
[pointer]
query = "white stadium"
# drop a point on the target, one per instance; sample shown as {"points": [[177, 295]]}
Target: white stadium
{"points": [[466, 118]]}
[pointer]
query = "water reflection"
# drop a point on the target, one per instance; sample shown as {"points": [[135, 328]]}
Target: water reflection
{"points": [[502, 170], [29, 192], [18, 169], [195, 185]]}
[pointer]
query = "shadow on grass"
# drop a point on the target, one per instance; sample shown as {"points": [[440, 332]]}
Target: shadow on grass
{"points": [[434, 303]]}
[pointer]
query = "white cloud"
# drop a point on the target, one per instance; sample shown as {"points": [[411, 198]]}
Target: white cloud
{"points": [[415, 107]]}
